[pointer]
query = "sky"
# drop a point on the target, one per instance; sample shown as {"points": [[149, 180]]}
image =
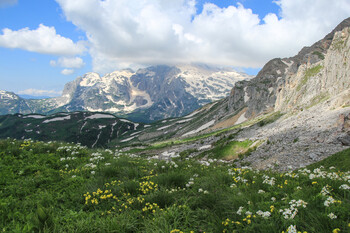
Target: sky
{"points": [[46, 43]]}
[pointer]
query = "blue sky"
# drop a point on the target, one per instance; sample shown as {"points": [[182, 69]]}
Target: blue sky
{"points": [[46, 43]]}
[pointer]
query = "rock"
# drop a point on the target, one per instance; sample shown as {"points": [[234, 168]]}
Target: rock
{"points": [[313, 156], [344, 138]]}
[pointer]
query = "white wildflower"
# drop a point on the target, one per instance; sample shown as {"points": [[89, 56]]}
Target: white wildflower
{"points": [[292, 229], [344, 186], [239, 211]]}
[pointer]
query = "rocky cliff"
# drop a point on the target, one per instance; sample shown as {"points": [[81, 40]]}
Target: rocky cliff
{"points": [[268, 90]]}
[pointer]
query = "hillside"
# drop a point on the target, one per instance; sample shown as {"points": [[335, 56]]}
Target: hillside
{"points": [[55, 187], [86, 128]]}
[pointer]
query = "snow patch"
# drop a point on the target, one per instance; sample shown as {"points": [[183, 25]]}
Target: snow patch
{"points": [[192, 114], [205, 126], [35, 116], [90, 80], [164, 127], [123, 120], [57, 119], [135, 133], [128, 139], [183, 121], [241, 119], [98, 137], [204, 147], [99, 116], [246, 97]]}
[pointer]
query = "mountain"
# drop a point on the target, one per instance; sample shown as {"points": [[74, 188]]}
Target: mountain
{"points": [[33, 96], [149, 94], [11, 103]]}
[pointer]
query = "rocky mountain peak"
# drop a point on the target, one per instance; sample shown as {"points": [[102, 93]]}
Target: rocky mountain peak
{"points": [[150, 93]]}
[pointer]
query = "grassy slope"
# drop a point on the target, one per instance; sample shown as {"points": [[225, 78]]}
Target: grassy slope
{"points": [[340, 160], [44, 188]]}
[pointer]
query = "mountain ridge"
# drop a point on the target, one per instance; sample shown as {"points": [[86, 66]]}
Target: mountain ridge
{"points": [[150, 94]]}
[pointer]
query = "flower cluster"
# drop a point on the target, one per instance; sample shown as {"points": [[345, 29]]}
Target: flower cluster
{"points": [[148, 186], [291, 212]]}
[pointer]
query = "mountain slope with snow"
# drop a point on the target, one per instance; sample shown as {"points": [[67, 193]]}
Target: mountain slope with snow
{"points": [[147, 95]]}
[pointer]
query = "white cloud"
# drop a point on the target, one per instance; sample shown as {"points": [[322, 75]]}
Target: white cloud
{"points": [[37, 92], [67, 71], [43, 40], [68, 62], [163, 32], [5, 3]]}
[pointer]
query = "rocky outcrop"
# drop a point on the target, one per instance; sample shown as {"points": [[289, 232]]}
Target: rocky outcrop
{"points": [[268, 90]]}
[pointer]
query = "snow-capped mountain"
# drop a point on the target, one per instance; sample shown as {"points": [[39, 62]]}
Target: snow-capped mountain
{"points": [[149, 94]]}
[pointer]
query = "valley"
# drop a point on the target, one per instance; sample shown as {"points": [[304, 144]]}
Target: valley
{"points": [[216, 151]]}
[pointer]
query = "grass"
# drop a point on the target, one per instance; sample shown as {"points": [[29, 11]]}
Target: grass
{"points": [[54, 187], [319, 54], [318, 99], [229, 150], [268, 118], [340, 160]]}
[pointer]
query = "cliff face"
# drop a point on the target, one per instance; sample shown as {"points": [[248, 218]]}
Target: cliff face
{"points": [[317, 82], [299, 81]]}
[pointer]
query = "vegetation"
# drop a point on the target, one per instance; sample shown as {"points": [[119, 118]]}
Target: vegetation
{"points": [[308, 74], [318, 99], [53, 187], [319, 54], [270, 119], [229, 150]]}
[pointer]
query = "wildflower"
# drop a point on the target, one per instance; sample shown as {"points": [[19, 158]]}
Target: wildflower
{"points": [[73, 176], [344, 186], [200, 190], [261, 191], [329, 201], [336, 230], [205, 192], [239, 211], [263, 214], [292, 229], [332, 216], [93, 172], [325, 191]]}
